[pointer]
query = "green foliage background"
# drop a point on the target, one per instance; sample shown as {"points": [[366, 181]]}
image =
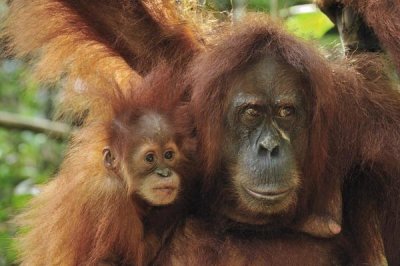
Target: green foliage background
{"points": [[35, 157], [24, 155]]}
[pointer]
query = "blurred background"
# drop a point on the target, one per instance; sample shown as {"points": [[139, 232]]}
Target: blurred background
{"points": [[32, 145]]}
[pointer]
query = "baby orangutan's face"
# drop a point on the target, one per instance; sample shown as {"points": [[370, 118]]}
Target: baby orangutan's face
{"points": [[154, 166], [147, 159]]}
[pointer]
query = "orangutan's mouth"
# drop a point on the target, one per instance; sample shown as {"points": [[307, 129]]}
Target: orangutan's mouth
{"points": [[271, 194]]}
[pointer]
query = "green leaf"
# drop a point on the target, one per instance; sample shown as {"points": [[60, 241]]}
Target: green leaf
{"points": [[309, 26]]}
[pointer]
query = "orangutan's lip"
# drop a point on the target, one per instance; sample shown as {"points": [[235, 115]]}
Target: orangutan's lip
{"points": [[165, 188], [268, 194]]}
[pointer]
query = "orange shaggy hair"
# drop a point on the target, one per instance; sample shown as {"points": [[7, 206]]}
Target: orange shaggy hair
{"points": [[85, 216], [99, 45]]}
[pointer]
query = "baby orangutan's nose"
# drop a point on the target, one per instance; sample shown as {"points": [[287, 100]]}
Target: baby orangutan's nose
{"points": [[163, 172]]}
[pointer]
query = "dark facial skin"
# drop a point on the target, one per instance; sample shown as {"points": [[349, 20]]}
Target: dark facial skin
{"points": [[266, 141], [149, 166]]}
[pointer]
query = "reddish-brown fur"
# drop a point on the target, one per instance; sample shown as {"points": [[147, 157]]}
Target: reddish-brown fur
{"points": [[353, 141], [81, 216], [96, 44], [86, 215], [382, 16], [354, 131], [200, 243]]}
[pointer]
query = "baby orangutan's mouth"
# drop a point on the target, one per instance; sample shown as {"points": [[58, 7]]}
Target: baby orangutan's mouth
{"points": [[164, 191]]}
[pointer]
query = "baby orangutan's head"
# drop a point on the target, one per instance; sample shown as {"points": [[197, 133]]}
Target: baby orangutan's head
{"points": [[144, 153]]}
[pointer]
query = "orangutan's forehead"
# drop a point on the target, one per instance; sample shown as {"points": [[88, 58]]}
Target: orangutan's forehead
{"points": [[154, 126], [268, 77]]}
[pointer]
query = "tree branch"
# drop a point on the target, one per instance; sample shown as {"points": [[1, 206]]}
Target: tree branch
{"points": [[39, 125]]}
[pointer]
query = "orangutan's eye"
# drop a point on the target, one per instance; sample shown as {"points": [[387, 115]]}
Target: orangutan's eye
{"points": [[149, 157], [251, 117], [169, 155], [286, 111]]}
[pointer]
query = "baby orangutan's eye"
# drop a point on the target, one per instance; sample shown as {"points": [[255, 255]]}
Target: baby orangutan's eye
{"points": [[149, 157], [169, 155]]}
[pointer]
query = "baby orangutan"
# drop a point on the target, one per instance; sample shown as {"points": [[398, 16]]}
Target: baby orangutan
{"points": [[144, 154], [117, 197]]}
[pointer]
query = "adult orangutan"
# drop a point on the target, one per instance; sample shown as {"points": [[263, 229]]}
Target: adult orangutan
{"points": [[283, 135], [279, 142]]}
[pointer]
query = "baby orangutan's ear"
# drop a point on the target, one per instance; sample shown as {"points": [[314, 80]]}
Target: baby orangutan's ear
{"points": [[109, 160]]}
